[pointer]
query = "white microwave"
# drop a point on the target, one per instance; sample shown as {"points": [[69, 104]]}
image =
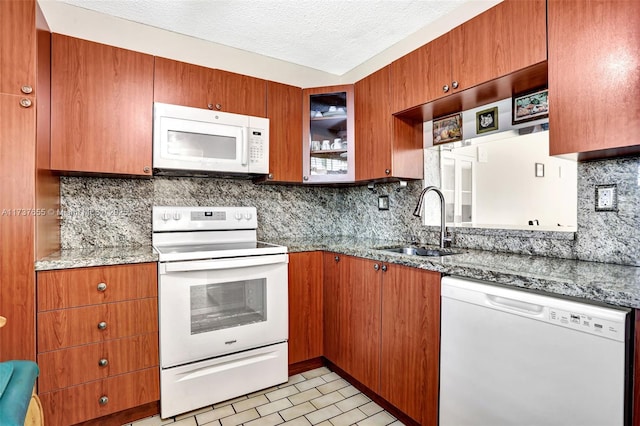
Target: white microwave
{"points": [[200, 142]]}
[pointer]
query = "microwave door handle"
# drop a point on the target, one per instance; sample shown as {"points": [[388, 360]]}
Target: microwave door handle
{"points": [[245, 147]]}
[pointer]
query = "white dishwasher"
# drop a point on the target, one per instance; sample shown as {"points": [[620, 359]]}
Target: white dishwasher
{"points": [[511, 357]]}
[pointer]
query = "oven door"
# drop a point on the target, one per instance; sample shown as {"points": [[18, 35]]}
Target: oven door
{"points": [[215, 307]]}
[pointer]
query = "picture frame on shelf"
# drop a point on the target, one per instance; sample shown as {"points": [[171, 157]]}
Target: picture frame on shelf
{"points": [[447, 129], [530, 106], [487, 120]]}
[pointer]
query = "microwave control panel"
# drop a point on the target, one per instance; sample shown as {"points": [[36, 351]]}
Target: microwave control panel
{"points": [[258, 151]]}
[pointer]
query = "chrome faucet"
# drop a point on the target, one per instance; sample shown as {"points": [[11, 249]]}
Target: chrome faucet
{"points": [[418, 212]]}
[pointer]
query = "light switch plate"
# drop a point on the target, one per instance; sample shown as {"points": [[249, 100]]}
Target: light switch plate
{"points": [[383, 202], [606, 198]]}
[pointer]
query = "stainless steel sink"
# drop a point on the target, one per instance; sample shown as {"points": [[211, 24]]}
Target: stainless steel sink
{"points": [[420, 251]]}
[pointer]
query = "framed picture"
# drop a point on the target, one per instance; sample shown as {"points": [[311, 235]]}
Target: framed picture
{"points": [[539, 169], [447, 129], [487, 120], [530, 106]]}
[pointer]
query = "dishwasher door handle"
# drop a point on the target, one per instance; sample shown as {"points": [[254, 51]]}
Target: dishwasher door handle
{"points": [[515, 305]]}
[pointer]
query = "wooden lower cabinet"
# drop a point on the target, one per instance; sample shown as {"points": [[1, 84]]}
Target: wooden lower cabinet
{"points": [[305, 306], [97, 347], [409, 358], [352, 316], [80, 364], [100, 398]]}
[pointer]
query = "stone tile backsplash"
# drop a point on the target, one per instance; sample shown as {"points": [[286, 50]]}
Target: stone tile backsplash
{"points": [[108, 212]]}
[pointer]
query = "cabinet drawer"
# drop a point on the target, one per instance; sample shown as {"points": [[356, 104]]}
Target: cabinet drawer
{"points": [[79, 403], [78, 326], [73, 366], [90, 286]]}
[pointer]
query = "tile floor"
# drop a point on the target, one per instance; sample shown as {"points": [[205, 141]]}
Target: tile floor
{"points": [[316, 397]]}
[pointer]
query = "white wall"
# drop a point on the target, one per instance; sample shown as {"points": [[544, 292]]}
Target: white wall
{"points": [[509, 193]]}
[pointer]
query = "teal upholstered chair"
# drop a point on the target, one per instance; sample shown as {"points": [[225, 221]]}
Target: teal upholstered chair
{"points": [[19, 405]]}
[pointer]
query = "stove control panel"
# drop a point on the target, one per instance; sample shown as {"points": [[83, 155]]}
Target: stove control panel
{"points": [[168, 218]]}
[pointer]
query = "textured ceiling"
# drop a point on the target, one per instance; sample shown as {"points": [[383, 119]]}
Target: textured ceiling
{"points": [[328, 35]]}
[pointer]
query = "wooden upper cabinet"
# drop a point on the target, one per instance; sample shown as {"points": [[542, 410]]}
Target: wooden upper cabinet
{"points": [[180, 83], [384, 148], [305, 306], [284, 110], [506, 38], [352, 316], [411, 341], [101, 108], [373, 123], [18, 47], [418, 77], [594, 77]]}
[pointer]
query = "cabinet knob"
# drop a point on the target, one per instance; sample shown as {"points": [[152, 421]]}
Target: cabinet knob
{"points": [[25, 103], [454, 84], [210, 106], [146, 169], [270, 176], [26, 89], [102, 286], [337, 258], [376, 266], [305, 177], [387, 171], [103, 400], [102, 325], [445, 88], [218, 107], [103, 362], [384, 268]]}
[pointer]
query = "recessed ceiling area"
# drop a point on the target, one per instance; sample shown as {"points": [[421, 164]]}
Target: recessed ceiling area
{"points": [[327, 35]]}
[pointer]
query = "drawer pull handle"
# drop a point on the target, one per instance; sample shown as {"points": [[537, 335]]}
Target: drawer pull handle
{"points": [[102, 287], [102, 325], [103, 400], [103, 362]]}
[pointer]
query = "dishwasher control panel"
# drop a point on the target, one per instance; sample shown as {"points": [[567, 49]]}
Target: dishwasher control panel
{"points": [[588, 324]]}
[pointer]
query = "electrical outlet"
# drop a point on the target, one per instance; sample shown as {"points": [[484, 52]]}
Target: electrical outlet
{"points": [[606, 198], [383, 202]]}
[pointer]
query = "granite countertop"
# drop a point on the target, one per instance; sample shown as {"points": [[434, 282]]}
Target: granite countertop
{"points": [[99, 256], [600, 282]]}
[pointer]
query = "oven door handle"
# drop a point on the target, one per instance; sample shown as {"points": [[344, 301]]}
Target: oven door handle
{"points": [[217, 264]]}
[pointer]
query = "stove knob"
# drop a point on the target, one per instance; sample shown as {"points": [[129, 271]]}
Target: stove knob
{"points": [[238, 216], [166, 216], [177, 216], [248, 216]]}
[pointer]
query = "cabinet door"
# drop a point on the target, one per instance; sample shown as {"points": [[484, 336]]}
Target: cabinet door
{"points": [[419, 77], [17, 277], [594, 76], [352, 316], [373, 127], [239, 94], [179, 83], [284, 110], [17, 46], [411, 341], [305, 306], [101, 108], [506, 38], [328, 136]]}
